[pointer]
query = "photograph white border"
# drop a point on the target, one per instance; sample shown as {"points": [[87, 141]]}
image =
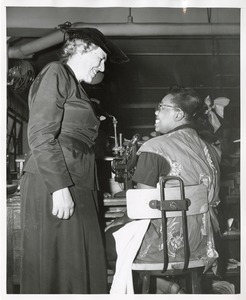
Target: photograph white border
{"points": [[116, 3]]}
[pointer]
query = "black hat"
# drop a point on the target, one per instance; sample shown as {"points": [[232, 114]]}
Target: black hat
{"points": [[93, 35]]}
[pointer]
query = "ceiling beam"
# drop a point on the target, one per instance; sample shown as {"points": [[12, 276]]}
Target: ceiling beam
{"points": [[139, 29]]}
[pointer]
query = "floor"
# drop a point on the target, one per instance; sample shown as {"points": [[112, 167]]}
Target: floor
{"points": [[210, 283], [229, 283]]}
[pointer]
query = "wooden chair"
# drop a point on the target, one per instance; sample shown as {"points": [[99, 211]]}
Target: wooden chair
{"points": [[164, 203]]}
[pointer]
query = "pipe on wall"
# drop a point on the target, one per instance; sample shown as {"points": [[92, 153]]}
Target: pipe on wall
{"points": [[124, 29], [27, 50]]}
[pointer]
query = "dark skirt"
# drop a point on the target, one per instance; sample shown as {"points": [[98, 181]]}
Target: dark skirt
{"points": [[60, 256]]}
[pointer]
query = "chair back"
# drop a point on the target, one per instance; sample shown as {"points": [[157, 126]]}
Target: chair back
{"points": [[137, 201]]}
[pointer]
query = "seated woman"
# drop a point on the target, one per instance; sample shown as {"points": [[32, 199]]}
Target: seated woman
{"points": [[183, 149]]}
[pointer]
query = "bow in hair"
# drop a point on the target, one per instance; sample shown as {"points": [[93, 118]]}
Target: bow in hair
{"points": [[216, 108]]}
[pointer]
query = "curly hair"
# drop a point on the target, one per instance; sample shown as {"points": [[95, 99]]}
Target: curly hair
{"points": [[75, 45], [195, 111]]}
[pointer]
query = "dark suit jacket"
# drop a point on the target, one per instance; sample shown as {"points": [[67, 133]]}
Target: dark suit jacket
{"points": [[62, 129]]}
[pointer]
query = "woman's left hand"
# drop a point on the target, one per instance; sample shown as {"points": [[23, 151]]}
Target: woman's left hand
{"points": [[63, 205]]}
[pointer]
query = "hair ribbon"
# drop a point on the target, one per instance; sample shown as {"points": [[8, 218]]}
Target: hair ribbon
{"points": [[217, 108]]}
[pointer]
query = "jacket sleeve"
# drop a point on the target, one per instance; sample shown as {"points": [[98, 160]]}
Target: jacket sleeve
{"points": [[46, 101]]}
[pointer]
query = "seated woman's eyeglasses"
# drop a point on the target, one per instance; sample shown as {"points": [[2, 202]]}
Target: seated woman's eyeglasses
{"points": [[162, 106]]}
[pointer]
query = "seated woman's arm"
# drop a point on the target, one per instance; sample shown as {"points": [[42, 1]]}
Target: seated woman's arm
{"points": [[144, 186], [150, 167]]}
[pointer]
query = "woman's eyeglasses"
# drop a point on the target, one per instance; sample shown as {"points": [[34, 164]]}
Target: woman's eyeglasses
{"points": [[162, 106]]}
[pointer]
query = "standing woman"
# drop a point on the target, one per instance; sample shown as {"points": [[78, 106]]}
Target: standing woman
{"points": [[63, 251]]}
